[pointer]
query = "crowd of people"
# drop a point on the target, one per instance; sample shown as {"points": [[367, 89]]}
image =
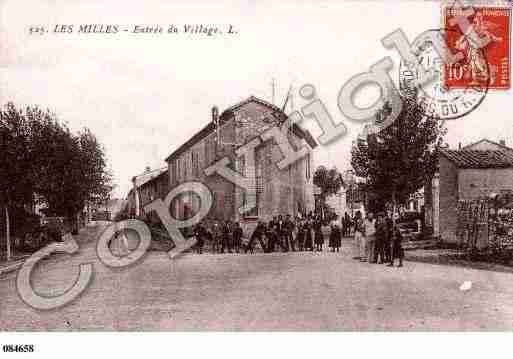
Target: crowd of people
{"points": [[376, 240], [281, 233]]}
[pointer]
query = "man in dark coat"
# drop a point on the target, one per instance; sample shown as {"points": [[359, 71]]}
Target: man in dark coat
{"points": [[300, 237], [318, 235], [225, 239], [335, 237], [308, 235], [388, 241], [237, 237], [257, 235], [397, 248], [381, 238], [289, 228], [199, 233]]}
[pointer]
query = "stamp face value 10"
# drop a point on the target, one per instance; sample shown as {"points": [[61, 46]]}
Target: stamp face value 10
{"points": [[491, 24]]}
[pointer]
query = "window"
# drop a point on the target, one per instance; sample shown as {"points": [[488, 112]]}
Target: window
{"points": [[193, 168], [195, 163], [258, 190], [173, 171], [307, 174]]}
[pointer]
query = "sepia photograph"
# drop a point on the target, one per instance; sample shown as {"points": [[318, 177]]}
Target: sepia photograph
{"points": [[303, 168]]}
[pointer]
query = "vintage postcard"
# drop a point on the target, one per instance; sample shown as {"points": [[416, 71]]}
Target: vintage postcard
{"points": [[293, 166]]}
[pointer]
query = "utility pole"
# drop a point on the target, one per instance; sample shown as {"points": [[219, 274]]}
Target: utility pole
{"points": [[8, 233]]}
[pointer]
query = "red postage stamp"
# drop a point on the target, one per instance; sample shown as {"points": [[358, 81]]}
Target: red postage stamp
{"points": [[492, 24]]}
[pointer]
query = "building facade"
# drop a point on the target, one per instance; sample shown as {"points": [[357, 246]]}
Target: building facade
{"points": [[279, 191], [464, 175], [146, 187]]}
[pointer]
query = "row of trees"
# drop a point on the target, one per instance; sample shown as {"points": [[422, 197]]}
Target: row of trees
{"points": [[43, 162]]}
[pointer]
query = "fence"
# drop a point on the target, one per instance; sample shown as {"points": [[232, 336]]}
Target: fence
{"points": [[485, 223]]}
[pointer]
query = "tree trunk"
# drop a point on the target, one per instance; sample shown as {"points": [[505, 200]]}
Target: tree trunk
{"points": [[394, 205], [8, 233]]}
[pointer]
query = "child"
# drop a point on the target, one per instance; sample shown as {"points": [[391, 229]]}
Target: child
{"points": [[335, 237], [397, 248]]}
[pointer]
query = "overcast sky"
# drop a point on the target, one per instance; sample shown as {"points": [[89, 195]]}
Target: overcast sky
{"points": [[144, 95]]}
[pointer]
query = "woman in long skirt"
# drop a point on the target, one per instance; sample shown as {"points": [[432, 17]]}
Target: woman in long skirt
{"points": [[319, 238], [308, 236], [335, 238], [300, 236], [359, 240]]}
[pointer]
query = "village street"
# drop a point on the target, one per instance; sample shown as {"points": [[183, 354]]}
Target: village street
{"points": [[279, 291]]}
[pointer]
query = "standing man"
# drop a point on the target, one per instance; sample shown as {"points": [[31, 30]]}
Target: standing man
{"points": [[318, 235], [397, 248], [381, 238], [237, 237], [388, 240], [225, 237], [289, 228], [281, 233], [359, 239], [257, 235], [216, 232], [199, 233], [300, 236], [370, 237]]}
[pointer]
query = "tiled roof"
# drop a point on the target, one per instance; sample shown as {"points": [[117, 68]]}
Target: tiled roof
{"points": [[485, 140], [209, 128], [146, 176], [479, 159]]}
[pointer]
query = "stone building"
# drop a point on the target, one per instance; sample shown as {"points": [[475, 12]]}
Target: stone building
{"points": [[285, 191], [146, 187], [463, 175]]}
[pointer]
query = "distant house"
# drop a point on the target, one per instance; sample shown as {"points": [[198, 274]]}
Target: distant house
{"points": [[473, 172], [147, 186]]}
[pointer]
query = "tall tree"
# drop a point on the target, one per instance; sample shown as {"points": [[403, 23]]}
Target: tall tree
{"points": [[45, 161], [16, 179], [396, 161], [329, 181]]}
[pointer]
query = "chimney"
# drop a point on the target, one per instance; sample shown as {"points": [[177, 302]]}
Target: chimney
{"points": [[502, 142], [459, 145]]}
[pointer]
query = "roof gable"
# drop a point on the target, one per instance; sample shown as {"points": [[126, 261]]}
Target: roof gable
{"points": [[246, 108], [479, 159], [486, 145], [147, 176]]}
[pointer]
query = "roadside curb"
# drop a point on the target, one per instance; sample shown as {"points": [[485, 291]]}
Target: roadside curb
{"points": [[492, 267], [11, 267], [4, 269]]}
